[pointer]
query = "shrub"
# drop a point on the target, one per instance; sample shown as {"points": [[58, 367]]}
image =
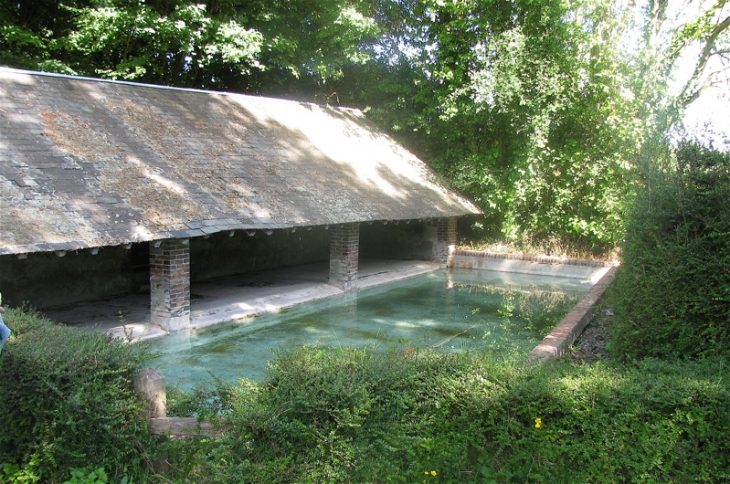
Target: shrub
{"points": [[68, 400], [672, 293], [357, 415]]}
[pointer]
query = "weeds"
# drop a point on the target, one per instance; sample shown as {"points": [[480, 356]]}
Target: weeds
{"points": [[403, 415]]}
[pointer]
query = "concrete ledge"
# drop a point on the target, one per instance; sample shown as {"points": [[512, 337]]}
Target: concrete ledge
{"points": [[275, 299], [544, 259], [235, 298], [567, 331], [537, 265], [269, 301], [396, 274]]}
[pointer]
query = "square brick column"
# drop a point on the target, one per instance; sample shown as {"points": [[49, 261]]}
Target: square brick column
{"points": [[443, 239], [344, 253], [170, 284]]}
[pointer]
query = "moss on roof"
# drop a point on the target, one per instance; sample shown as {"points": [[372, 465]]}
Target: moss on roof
{"points": [[88, 163]]}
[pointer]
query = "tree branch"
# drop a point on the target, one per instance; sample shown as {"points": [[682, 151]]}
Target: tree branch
{"points": [[689, 94]]}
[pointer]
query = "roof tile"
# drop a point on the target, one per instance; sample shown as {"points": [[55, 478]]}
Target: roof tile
{"points": [[95, 162]]}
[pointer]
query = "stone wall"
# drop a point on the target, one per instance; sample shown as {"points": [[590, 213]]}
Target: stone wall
{"points": [[45, 280], [402, 241], [221, 255]]}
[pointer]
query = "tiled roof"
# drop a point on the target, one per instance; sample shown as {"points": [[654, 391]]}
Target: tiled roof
{"points": [[90, 163]]}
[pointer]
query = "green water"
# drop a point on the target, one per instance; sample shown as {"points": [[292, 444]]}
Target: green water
{"points": [[450, 310]]}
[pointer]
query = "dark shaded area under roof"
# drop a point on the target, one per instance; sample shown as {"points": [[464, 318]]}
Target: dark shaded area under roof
{"points": [[90, 163]]}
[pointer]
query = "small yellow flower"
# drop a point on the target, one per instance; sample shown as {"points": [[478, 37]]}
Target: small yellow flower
{"points": [[433, 473], [538, 422]]}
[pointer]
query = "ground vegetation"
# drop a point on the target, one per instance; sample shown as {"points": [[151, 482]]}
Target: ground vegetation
{"points": [[68, 403], [426, 416], [322, 414]]}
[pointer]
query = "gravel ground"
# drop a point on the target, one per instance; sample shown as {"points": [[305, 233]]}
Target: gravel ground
{"points": [[591, 345]]}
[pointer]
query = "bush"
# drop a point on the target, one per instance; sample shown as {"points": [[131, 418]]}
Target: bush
{"points": [[672, 295], [358, 415], [68, 400]]}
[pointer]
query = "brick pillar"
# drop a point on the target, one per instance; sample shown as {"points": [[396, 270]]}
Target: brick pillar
{"points": [[344, 253], [170, 284], [443, 239]]}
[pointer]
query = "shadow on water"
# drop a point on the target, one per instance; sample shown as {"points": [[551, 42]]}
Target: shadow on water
{"points": [[454, 310]]}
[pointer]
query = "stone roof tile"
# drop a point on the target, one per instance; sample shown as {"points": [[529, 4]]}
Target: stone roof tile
{"points": [[88, 163]]}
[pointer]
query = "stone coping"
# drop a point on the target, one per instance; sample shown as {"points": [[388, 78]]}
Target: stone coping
{"points": [[537, 265], [556, 344], [542, 259]]}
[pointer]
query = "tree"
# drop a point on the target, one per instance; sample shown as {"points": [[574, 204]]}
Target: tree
{"points": [[688, 42], [526, 107], [29, 31], [216, 44], [155, 42]]}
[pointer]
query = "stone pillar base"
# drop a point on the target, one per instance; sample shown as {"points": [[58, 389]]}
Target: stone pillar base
{"points": [[171, 324], [151, 388]]}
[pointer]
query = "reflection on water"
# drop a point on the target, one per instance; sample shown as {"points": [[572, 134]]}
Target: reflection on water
{"points": [[452, 310]]}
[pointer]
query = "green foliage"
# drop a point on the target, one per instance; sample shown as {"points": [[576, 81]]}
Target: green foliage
{"points": [[238, 44], [82, 476], [24, 320], [335, 416], [68, 402], [673, 290], [524, 107], [184, 47], [13, 474], [202, 402], [357, 415]]}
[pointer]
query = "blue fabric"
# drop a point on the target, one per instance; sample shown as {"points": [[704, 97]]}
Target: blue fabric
{"points": [[4, 333]]}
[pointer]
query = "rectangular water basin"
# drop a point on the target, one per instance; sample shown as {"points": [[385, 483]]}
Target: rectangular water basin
{"points": [[452, 310]]}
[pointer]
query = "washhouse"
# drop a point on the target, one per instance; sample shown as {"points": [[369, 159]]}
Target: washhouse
{"points": [[152, 195]]}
